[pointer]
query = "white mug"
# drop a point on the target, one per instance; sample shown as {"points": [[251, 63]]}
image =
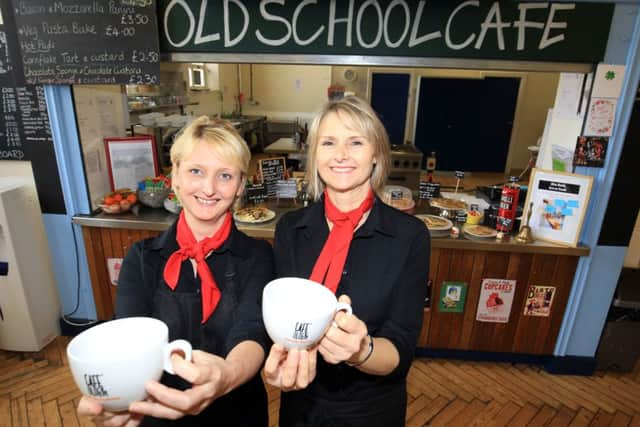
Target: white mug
{"points": [[111, 362], [297, 312]]}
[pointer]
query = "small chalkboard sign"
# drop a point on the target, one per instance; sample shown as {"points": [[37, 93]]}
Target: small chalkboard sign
{"points": [[272, 170], [428, 190], [87, 42], [255, 193], [461, 217], [460, 174]]}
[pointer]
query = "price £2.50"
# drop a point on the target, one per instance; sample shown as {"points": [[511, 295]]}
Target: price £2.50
{"points": [[146, 56]]}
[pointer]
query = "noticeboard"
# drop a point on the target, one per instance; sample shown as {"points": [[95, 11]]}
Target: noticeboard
{"points": [[25, 133], [86, 41]]}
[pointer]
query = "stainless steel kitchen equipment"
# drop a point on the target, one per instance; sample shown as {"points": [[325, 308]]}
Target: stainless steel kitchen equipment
{"points": [[406, 160]]}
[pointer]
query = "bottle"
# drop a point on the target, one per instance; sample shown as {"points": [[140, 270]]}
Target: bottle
{"points": [[508, 205], [431, 166]]}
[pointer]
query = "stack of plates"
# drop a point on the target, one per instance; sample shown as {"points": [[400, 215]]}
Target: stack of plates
{"points": [[438, 226], [150, 119]]}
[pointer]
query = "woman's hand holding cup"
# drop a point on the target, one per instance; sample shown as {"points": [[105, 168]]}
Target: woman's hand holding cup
{"points": [[347, 340], [209, 375], [290, 369], [93, 410]]}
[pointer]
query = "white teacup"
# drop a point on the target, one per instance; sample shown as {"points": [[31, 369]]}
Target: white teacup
{"points": [[297, 312], [111, 362]]}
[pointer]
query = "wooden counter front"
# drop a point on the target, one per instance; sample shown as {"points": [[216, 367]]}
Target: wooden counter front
{"points": [[451, 260], [522, 334]]}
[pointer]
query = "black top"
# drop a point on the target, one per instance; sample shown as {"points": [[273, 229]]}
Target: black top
{"points": [[385, 276], [242, 266]]}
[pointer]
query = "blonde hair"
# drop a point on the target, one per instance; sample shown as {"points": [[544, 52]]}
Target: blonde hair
{"points": [[357, 115], [221, 136]]}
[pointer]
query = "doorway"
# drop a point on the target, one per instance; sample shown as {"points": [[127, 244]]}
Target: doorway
{"points": [[389, 98], [466, 122]]}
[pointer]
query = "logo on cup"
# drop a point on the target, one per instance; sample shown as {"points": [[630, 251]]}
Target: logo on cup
{"points": [[301, 331], [94, 386]]}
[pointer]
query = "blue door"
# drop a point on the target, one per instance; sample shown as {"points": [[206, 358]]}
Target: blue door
{"points": [[389, 97], [467, 122]]}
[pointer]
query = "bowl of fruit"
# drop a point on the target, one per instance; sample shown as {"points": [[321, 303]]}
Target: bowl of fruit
{"points": [[153, 191], [118, 201]]}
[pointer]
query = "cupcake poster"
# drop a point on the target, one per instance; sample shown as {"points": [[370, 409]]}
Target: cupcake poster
{"points": [[496, 298]]}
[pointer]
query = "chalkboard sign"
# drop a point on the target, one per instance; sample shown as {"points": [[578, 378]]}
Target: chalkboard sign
{"points": [[484, 29], [88, 41], [255, 193], [272, 170], [25, 133], [428, 190], [461, 217]]}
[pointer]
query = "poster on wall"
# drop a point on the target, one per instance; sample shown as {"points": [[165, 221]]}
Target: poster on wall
{"points": [[113, 266], [591, 151], [496, 298], [600, 116], [452, 297], [539, 300], [558, 202]]}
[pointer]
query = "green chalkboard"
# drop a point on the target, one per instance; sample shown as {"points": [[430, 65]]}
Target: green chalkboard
{"points": [[506, 30]]}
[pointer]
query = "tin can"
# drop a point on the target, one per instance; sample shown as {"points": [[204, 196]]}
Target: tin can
{"points": [[508, 206]]}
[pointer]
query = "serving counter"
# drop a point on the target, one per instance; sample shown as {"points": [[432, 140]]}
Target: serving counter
{"points": [[108, 237]]}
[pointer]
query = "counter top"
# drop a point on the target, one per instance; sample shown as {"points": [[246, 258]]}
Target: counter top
{"points": [[144, 218]]}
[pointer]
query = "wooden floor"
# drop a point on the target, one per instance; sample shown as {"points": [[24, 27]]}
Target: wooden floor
{"points": [[36, 389]]}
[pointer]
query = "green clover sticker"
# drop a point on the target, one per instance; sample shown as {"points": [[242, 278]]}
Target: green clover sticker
{"points": [[610, 75]]}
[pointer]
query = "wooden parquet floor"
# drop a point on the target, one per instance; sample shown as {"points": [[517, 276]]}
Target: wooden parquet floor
{"points": [[36, 389]]}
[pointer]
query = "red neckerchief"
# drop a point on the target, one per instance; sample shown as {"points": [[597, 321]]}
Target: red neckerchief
{"points": [[190, 248], [330, 263]]}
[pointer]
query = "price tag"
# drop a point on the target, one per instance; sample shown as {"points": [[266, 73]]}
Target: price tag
{"points": [[460, 174], [461, 217], [428, 190]]}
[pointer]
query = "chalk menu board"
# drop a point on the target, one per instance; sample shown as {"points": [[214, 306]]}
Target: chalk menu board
{"points": [[87, 41], [272, 170], [25, 133]]}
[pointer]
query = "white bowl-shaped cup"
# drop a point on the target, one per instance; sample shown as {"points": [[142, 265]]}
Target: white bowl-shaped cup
{"points": [[111, 362], [297, 312]]}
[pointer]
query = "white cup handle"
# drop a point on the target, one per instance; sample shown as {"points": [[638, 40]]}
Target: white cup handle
{"points": [[177, 345], [343, 306]]}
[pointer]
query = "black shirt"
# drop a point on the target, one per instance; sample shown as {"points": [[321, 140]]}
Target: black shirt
{"points": [[385, 276], [242, 266]]}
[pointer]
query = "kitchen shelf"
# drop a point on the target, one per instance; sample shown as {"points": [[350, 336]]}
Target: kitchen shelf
{"points": [[164, 106]]}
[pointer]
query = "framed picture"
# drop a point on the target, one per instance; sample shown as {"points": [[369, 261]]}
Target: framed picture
{"points": [[556, 204], [130, 160]]}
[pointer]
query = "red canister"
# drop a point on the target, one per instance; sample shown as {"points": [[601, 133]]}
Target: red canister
{"points": [[508, 205]]}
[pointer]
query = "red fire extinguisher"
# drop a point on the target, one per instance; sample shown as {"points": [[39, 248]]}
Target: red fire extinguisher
{"points": [[508, 205]]}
